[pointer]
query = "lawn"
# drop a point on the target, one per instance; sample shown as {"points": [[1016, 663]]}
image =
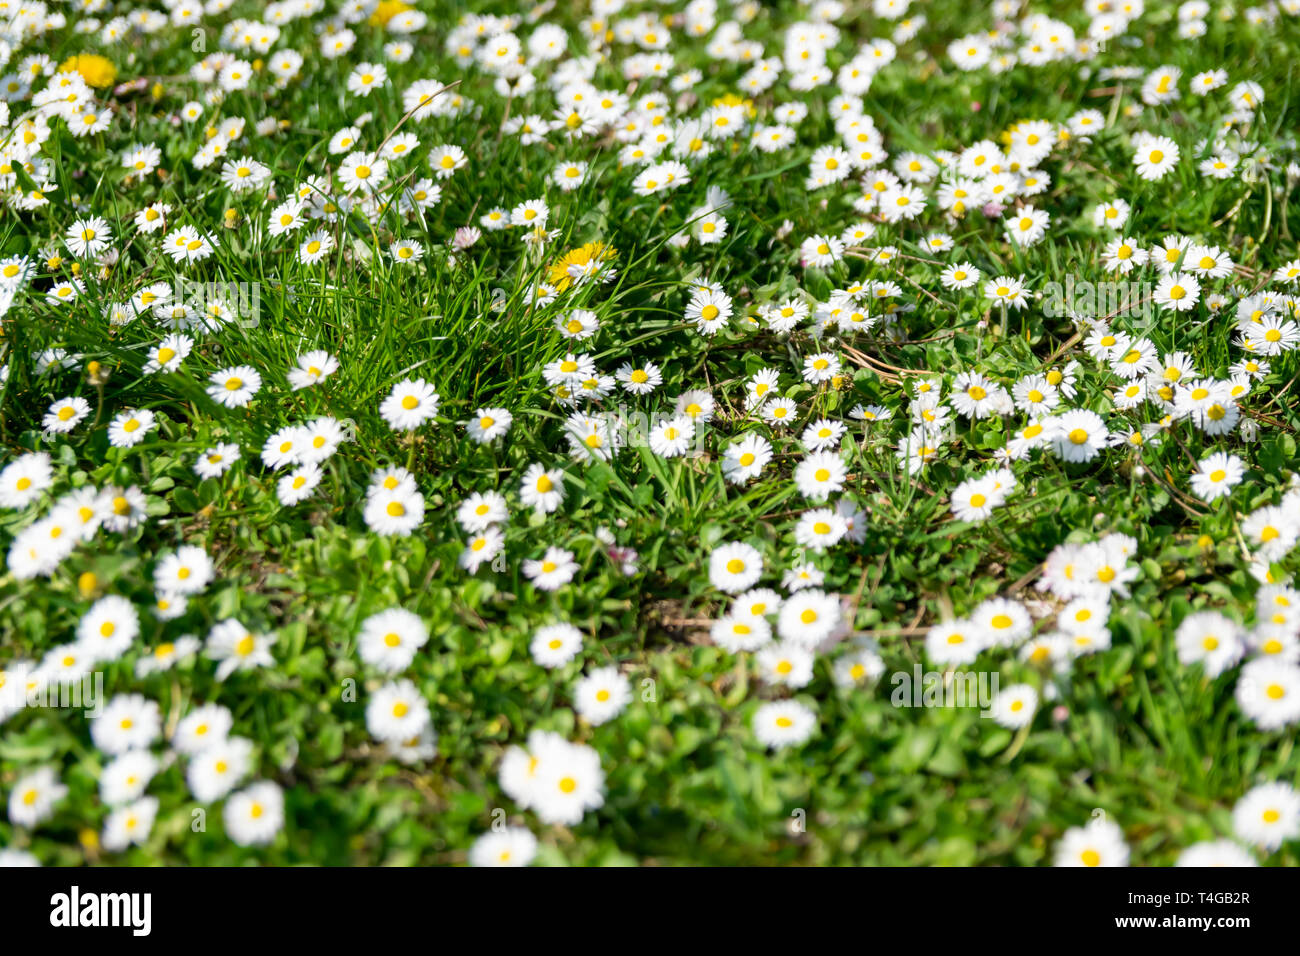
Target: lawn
{"points": [[649, 433]]}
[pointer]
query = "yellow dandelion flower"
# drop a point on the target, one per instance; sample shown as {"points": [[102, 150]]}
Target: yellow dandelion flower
{"points": [[732, 99], [97, 71], [583, 255], [386, 10]]}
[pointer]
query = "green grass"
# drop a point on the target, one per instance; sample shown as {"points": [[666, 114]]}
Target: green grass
{"points": [[1158, 747]]}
